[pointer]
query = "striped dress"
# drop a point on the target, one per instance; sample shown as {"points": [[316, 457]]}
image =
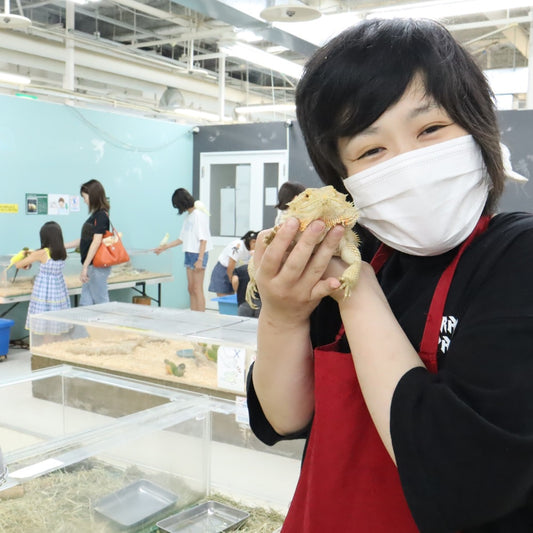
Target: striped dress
{"points": [[49, 294]]}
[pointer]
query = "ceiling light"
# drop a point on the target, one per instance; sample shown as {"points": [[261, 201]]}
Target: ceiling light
{"points": [[265, 108], [248, 36], [7, 20], [276, 49], [263, 59], [16, 79], [196, 113], [289, 12], [450, 8]]}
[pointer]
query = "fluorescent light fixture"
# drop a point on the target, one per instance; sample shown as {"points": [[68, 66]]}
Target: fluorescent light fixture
{"points": [[266, 108], [248, 36], [16, 79], [449, 8], [321, 30], [276, 49], [263, 59], [196, 113]]}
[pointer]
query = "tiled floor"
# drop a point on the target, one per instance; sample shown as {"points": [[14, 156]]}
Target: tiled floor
{"points": [[18, 362]]}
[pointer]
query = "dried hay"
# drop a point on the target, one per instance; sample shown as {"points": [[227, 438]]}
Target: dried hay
{"points": [[63, 502]]}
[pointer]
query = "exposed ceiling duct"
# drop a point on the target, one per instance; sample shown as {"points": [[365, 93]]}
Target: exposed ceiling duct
{"points": [[159, 54], [171, 98]]}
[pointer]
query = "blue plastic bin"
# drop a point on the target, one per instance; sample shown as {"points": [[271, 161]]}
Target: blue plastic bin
{"points": [[5, 328], [227, 305]]}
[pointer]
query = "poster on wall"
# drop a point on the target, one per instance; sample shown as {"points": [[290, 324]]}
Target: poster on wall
{"points": [[74, 204], [36, 204], [58, 204]]}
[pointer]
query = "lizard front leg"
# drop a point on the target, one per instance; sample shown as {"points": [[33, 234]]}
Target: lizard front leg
{"points": [[350, 254]]}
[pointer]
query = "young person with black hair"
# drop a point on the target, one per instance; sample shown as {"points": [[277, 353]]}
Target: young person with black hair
{"points": [[49, 291], [235, 252], [287, 192], [94, 279], [415, 393], [196, 239]]}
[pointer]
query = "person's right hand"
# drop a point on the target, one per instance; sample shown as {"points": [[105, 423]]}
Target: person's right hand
{"points": [[84, 277], [290, 277]]}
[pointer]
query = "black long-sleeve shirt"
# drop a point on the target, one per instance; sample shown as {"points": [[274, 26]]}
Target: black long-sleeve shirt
{"points": [[463, 438]]}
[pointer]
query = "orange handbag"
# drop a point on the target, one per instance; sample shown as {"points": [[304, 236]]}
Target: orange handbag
{"points": [[111, 251]]}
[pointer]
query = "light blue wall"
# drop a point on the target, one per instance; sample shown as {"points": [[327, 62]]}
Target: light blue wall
{"points": [[52, 148]]}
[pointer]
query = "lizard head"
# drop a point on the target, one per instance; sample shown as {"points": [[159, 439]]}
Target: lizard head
{"points": [[324, 203]]}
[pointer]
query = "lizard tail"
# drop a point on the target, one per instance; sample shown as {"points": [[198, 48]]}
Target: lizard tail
{"points": [[251, 288]]}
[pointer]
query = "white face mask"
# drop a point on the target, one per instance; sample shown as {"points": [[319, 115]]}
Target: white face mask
{"points": [[423, 202]]}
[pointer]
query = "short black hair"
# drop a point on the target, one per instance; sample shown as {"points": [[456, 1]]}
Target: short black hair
{"points": [[287, 192], [248, 237], [182, 200], [353, 79]]}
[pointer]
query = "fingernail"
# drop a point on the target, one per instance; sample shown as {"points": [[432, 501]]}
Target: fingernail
{"points": [[292, 223], [317, 226]]}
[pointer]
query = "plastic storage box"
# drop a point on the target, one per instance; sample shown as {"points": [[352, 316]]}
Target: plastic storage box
{"points": [[205, 352], [227, 305], [5, 329]]}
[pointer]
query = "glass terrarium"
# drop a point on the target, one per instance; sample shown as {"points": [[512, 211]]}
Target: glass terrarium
{"points": [[92, 452], [143, 268], [205, 352], [17, 284], [86, 451]]}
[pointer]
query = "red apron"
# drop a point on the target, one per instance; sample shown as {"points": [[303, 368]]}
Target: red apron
{"points": [[348, 481]]}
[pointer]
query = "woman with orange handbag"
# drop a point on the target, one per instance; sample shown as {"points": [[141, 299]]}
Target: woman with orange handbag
{"points": [[94, 289]]}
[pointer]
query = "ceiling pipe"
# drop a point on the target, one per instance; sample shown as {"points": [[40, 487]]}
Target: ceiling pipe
{"points": [[17, 48], [68, 77], [529, 96], [221, 86], [219, 10]]}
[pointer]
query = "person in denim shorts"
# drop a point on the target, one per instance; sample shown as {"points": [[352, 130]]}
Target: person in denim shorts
{"points": [[196, 239]]}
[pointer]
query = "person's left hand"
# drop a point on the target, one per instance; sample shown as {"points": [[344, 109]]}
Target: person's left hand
{"points": [[198, 265]]}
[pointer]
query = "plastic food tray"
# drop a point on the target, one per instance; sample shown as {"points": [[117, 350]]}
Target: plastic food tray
{"points": [[136, 503], [208, 517]]}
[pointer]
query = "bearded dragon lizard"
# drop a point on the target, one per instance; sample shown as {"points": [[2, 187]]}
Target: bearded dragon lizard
{"points": [[332, 207]]}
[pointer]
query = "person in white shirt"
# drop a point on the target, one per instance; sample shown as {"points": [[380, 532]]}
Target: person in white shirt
{"points": [[196, 239], [237, 251]]}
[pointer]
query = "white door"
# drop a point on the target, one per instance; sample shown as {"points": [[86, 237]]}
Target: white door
{"points": [[240, 191]]}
